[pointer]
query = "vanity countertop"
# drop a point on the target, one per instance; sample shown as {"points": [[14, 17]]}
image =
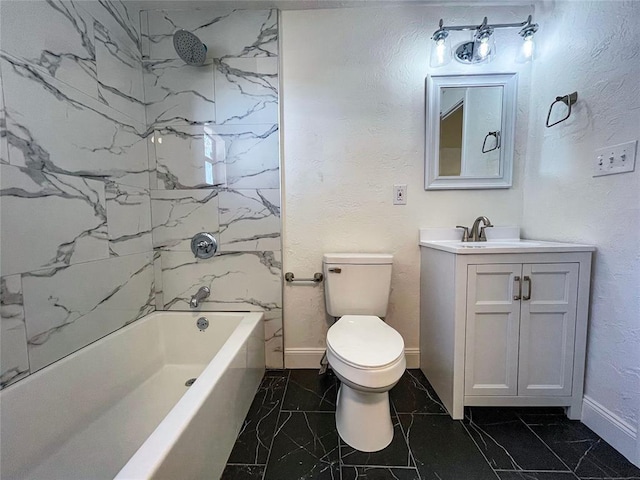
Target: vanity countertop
{"points": [[500, 240]]}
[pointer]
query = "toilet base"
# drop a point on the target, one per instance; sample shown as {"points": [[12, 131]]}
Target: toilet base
{"points": [[363, 419]]}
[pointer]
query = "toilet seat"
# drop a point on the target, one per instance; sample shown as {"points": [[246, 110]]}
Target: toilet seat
{"points": [[366, 351], [365, 341]]}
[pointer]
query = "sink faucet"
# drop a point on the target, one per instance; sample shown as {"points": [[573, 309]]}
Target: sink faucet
{"points": [[201, 294], [477, 233]]}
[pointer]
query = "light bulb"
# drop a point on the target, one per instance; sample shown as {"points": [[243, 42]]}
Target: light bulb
{"points": [[440, 51], [484, 45], [483, 48], [525, 53]]}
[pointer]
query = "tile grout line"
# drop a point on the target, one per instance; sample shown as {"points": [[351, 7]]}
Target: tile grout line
{"points": [[406, 438], [394, 467], [275, 430], [478, 446], [532, 470], [545, 444]]}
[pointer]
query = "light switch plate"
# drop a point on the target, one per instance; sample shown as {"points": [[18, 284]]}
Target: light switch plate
{"points": [[615, 159]]}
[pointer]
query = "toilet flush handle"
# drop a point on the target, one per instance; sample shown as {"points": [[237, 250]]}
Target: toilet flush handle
{"points": [[335, 270]]}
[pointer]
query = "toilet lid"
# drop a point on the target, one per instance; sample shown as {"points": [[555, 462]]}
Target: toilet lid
{"points": [[365, 341]]}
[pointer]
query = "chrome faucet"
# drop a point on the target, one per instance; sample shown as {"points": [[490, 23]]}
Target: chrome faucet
{"points": [[477, 232], [201, 294]]}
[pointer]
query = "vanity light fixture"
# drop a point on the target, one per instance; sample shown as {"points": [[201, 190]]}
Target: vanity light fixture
{"points": [[482, 48], [441, 51]]}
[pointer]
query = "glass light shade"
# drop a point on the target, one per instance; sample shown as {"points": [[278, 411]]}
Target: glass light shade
{"points": [[440, 51], [526, 50], [484, 49]]}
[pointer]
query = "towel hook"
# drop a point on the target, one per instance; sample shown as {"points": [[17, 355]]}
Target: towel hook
{"points": [[568, 100], [491, 134]]}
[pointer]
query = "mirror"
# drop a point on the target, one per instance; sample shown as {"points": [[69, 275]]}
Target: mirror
{"points": [[470, 129]]}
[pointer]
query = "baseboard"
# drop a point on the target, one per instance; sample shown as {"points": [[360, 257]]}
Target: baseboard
{"points": [[303, 357], [310, 357], [615, 431], [413, 357]]}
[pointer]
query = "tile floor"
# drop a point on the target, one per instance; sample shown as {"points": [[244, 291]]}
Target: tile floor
{"points": [[290, 433]]}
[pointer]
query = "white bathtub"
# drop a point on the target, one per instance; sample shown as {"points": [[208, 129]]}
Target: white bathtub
{"points": [[120, 408]]}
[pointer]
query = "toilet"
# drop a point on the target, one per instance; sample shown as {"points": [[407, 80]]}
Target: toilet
{"points": [[365, 353]]}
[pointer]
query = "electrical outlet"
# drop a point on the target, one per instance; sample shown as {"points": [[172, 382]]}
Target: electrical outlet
{"points": [[616, 159], [400, 194]]}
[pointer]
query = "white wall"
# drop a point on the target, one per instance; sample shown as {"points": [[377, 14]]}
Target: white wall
{"points": [[353, 120], [593, 48]]}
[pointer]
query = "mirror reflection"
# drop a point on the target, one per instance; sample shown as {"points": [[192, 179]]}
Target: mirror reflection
{"points": [[470, 136]]}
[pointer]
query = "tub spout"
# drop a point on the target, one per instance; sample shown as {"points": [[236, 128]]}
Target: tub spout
{"points": [[200, 295]]}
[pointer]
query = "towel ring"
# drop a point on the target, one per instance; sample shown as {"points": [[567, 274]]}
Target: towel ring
{"points": [[568, 100], [491, 134]]}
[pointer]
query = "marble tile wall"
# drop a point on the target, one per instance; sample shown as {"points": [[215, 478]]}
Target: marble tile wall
{"points": [[113, 153], [76, 258], [214, 162]]}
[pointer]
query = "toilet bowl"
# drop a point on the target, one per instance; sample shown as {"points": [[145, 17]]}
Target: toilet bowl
{"points": [[367, 356]]}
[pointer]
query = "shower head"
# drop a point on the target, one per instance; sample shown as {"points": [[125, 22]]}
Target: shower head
{"points": [[189, 48]]}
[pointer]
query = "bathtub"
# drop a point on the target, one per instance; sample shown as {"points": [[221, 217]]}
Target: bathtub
{"points": [[119, 408]]}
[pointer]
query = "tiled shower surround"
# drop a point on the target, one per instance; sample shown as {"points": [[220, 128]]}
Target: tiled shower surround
{"points": [[214, 162], [114, 153]]}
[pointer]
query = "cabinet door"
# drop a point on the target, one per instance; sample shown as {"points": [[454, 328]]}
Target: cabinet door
{"points": [[491, 350], [547, 328]]}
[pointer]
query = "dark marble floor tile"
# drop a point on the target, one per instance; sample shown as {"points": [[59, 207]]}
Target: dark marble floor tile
{"points": [[243, 472], [504, 475], [309, 391], [379, 473], [443, 450], [414, 394], [507, 443], [541, 417], [305, 447], [276, 373], [542, 411], [254, 440], [583, 451], [395, 455]]}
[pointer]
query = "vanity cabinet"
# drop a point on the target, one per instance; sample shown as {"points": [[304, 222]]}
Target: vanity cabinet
{"points": [[520, 329], [505, 329]]}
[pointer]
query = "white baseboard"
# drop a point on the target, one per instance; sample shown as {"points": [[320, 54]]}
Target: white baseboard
{"points": [[310, 357], [615, 431], [413, 357], [303, 357]]}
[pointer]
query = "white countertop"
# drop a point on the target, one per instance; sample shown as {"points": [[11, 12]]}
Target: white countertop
{"points": [[499, 240]]}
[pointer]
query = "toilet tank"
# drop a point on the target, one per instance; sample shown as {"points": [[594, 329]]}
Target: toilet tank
{"points": [[357, 283]]}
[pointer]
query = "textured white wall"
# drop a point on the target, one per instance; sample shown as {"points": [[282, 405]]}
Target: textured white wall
{"points": [[353, 117], [592, 48]]}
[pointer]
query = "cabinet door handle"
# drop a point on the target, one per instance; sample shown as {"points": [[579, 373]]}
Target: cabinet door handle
{"points": [[517, 279], [528, 295]]}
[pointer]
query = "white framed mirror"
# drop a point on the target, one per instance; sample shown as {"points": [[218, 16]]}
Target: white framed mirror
{"points": [[470, 128]]}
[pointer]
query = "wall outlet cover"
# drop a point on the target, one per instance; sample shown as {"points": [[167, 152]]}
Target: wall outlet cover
{"points": [[400, 194]]}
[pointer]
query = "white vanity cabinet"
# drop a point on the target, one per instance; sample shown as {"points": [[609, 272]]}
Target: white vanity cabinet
{"points": [[505, 326], [520, 329]]}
